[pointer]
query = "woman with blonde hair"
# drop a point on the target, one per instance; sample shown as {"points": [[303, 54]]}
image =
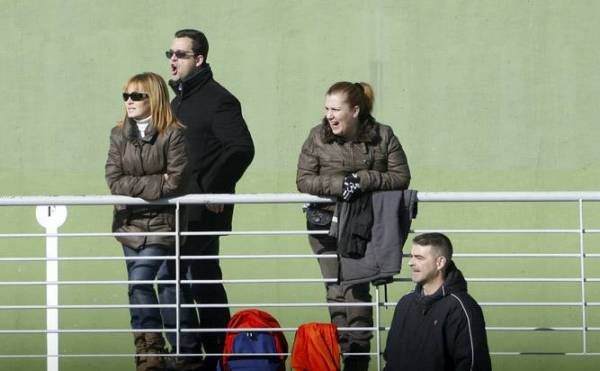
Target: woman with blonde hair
{"points": [[147, 159]]}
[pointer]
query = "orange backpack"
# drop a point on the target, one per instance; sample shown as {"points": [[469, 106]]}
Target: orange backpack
{"points": [[316, 348]]}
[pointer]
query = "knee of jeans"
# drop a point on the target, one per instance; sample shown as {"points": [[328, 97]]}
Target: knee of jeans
{"points": [[165, 289], [163, 272], [137, 289]]}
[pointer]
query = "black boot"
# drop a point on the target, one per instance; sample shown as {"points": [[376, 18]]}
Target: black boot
{"points": [[356, 363]]}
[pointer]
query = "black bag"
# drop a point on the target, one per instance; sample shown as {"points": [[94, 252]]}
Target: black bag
{"points": [[317, 218]]}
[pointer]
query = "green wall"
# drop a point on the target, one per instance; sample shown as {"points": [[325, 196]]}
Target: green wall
{"points": [[484, 95]]}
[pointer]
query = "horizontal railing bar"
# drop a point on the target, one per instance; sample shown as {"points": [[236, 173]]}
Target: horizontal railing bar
{"points": [[523, 279], [281, 305], [256, 233], [271, 233], [194, 330], [91, 234], [275, 280], [518, 304], [275, 198], [125, 234], [103, 355], [533, 328], [99, 355], [531, 304], [512, 279], [239, 305], [542, 354], [149, 282], [285, 329], [473, 231], [515, 255], [82, 331], [271, 198], [282, 329], [507, 196], [284, 256], [268, 233], [529, 328], [86, 306], [280, 256], [172, 257], [91, 258]]}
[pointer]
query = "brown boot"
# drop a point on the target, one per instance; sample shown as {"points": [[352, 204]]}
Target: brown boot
{"points": [[139, 339], [150, 346]]}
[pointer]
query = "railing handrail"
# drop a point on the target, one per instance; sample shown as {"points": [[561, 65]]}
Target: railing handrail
{"points": [[250, 198], [214, 198]]}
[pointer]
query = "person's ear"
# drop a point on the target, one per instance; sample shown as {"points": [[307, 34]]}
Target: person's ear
{"points": [[441, 262], [199, 60], [355, 111]]}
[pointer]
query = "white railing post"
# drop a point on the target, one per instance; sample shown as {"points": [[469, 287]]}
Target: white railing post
{"points": [[582, 268], [177, 278], [378, 326], [51, 217]]}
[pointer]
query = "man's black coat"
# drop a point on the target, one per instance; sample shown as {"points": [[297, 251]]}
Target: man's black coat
{"points": [[219, 144], [444, 331]]}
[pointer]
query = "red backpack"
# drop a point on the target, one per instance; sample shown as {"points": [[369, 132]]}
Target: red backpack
{"points": [[254, 342]]}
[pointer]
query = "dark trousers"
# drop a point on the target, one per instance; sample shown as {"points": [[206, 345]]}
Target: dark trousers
{"points": [[203, 293], [188, 341], [342, 316]]}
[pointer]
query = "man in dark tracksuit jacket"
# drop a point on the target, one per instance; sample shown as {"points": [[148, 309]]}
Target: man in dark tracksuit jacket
{"points": [[438, 327], [220, 149]]}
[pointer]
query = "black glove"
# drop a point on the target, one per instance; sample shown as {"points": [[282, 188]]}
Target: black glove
{"points": [[351, 187]]}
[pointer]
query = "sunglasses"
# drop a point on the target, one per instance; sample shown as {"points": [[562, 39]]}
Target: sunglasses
{"points": [[135, 96], [179, 54]]}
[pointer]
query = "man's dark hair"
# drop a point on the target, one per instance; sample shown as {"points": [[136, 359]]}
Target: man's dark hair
{"points": [[437, 241], [199, 41]]}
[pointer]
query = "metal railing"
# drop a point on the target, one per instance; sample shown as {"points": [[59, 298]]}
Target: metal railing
{"points": [[52, 213]]}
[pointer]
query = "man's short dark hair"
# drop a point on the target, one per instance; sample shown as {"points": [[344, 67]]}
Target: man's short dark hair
{"points": [[437, 241], [199, 41]]}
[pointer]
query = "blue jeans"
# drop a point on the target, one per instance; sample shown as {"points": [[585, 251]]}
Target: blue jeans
{"points": [[144, 294], [145, 318]]}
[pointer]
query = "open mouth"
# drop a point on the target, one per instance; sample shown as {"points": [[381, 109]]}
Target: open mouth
{"points": [[173, 69]]}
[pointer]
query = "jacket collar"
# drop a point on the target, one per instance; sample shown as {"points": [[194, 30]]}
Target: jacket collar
{"points": [[454, 282], [368, 132], [131, 132], [194, 82]]}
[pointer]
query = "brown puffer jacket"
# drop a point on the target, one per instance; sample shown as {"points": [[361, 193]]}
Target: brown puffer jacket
{"points": [[135, 167], [376, 156]]}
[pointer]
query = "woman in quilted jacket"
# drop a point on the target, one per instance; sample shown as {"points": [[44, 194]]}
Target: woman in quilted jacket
{"points": [[146, 159], [348, 153]]}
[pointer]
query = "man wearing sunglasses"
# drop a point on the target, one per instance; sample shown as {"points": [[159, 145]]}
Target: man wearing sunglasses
{"points": [[220, 149]]}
